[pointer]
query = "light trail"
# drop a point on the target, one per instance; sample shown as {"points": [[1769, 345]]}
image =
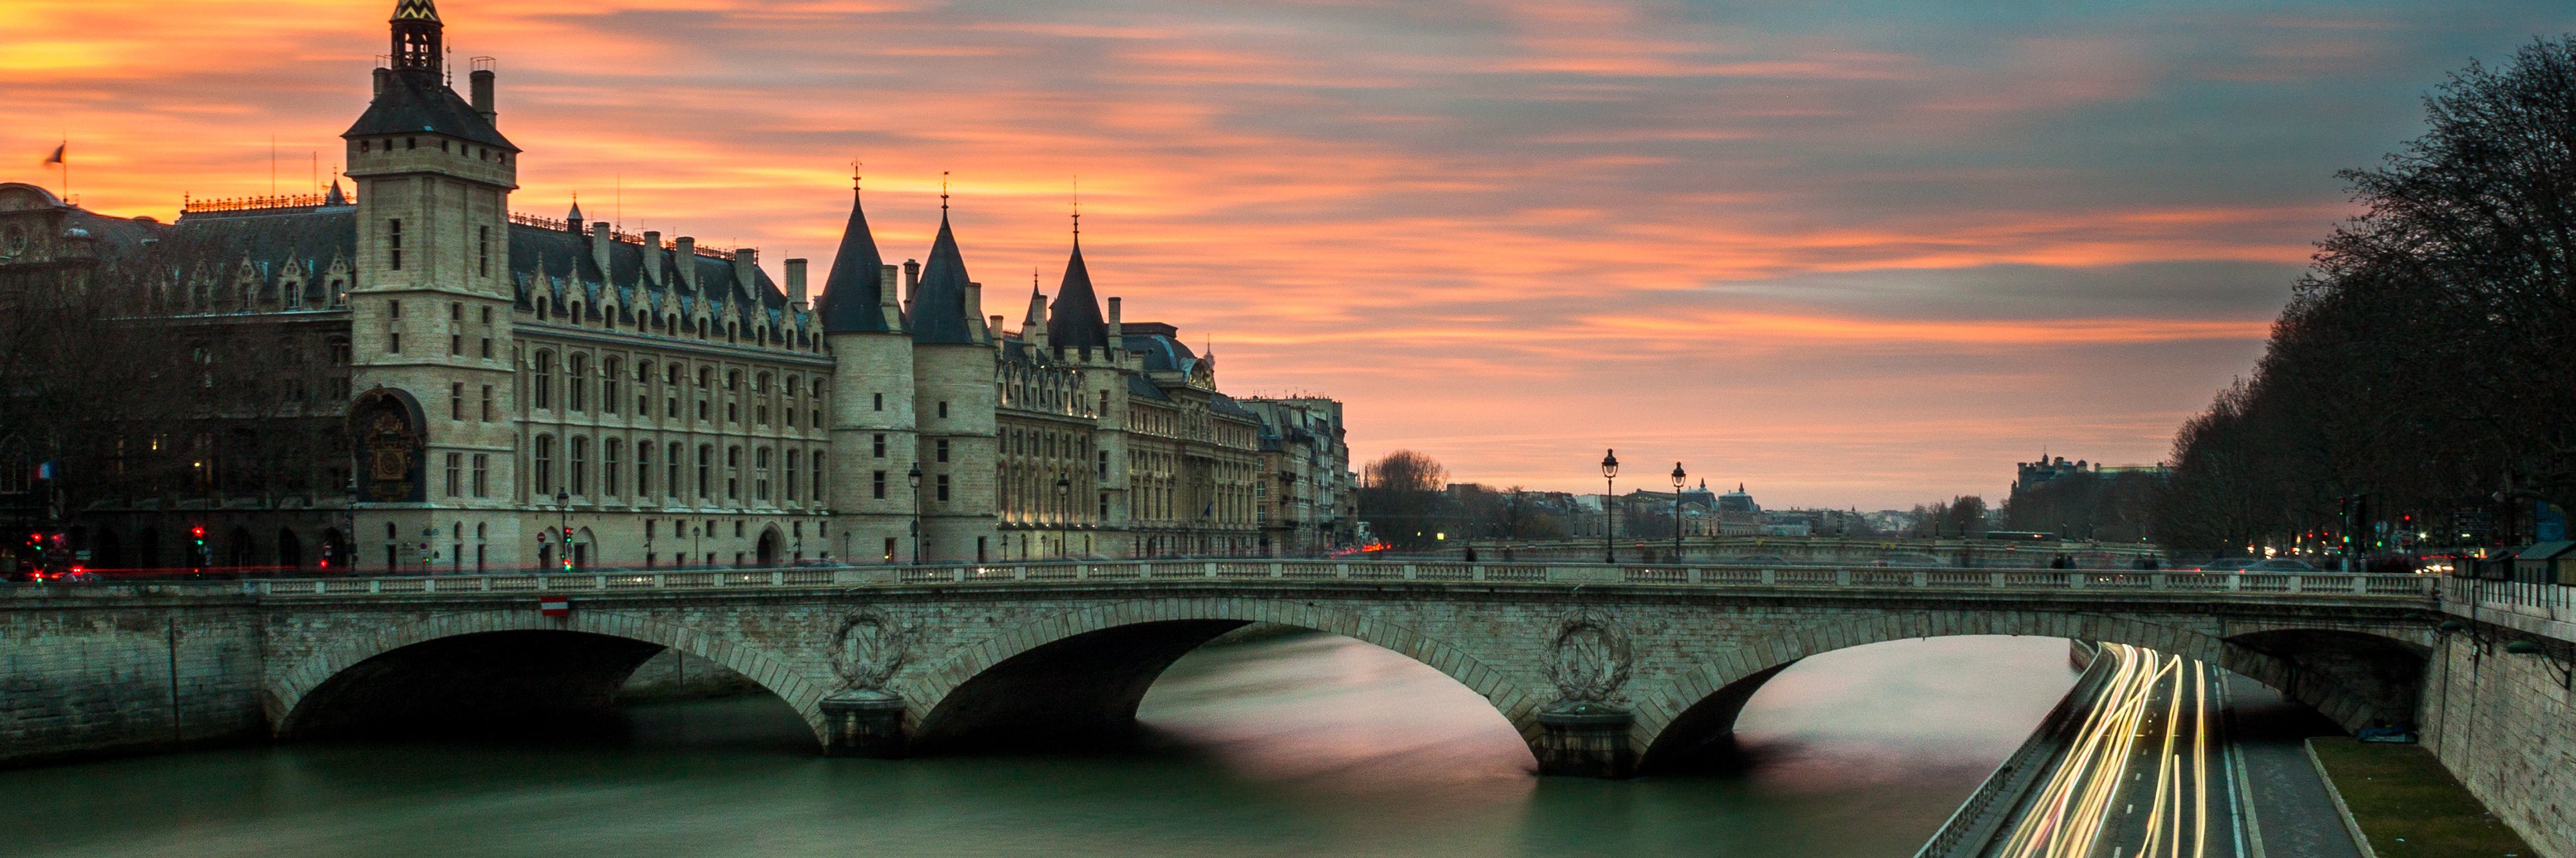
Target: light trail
{"points": [[2080, 811]]}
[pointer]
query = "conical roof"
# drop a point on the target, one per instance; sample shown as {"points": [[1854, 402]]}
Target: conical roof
{"points": [[1073, 321], [939, 303], [851, 294]]}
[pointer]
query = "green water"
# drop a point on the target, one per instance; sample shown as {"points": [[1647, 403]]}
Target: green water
{"points": [[1302, 746]]}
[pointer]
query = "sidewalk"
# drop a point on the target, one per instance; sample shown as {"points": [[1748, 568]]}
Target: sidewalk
{"points": [[2290, 808]]}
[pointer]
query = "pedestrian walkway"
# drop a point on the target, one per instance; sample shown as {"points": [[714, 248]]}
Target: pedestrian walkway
{"points": [[2292, 816]]}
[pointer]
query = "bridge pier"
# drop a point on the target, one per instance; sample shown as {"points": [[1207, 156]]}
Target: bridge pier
{"points": [[1585, 740], [863, 723]]}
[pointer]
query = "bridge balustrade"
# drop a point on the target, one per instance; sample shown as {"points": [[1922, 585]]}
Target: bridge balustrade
{"points": [[2543, 601]]}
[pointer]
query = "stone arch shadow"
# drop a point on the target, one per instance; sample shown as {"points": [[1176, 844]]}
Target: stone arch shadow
{"points": [[2373, 683], [305, 699], [1076, 679]]}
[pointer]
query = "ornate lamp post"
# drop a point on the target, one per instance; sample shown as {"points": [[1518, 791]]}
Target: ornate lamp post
{"points": [[914, 477], [563, 525], [1063, 488], [1678, 477], [1609, 505]]}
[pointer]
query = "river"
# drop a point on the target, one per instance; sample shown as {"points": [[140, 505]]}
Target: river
{"points": [[1307, 745]]}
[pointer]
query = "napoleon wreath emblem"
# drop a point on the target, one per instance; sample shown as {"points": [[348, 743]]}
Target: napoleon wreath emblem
{"points": [[1589, 656], [870, 648]]}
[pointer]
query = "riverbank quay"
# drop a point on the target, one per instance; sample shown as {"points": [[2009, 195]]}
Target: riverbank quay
{"points": [[2004, 796], [2402, 803]]}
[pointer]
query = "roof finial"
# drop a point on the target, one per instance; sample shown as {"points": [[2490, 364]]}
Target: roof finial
{"points": [[943, 193], [854, 174], [1077, 209]]}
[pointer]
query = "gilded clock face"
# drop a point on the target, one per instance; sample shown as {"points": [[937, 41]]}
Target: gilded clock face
{"points": [[13, 240]]}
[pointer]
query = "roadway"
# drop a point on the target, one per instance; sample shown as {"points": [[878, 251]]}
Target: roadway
{"points": [[2178, 759]]}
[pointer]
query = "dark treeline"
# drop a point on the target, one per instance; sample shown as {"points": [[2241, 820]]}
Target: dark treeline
{"points": [[2425, 361]]}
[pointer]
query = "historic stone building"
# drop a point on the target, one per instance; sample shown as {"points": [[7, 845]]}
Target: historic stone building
{"points": [[507, 379]]}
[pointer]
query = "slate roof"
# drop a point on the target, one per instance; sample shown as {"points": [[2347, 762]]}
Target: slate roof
{"points": [[310, 239], [939, 302], [414, 103], [1162, 353], [1073, 321], [553, 261], [852, 299]]}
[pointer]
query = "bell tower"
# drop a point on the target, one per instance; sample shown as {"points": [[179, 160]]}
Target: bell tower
{"points": [[429, 313]]}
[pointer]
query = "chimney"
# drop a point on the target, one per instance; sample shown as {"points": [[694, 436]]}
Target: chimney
{"points": [[746, 272], [599, 247], [653, 257], [911, 284], [686, 256], [483, 94], [382, 77], [975, 312], [886, 299], [1117, 339], [796, 283], [1034, 331]]}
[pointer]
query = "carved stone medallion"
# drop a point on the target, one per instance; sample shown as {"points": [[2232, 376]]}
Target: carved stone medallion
{"points": [[1589, 656], [870, 649]]}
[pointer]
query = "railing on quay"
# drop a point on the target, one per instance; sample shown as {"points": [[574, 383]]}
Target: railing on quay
{"points": [[1201, 571], [2552, 602]]}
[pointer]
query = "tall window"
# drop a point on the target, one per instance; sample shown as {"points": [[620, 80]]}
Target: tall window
{"points": [[455, 481], [393, 244], [822, 490], [483, 251], [733, 473], [671, 472], [879, 445], [482, 475], [608, 466], [788, 493], [876, 486], [760, 473], [706, 463], [576, 381], [943, 487], [941, 448], [456, 401], [610, 376], [487, 403], [545, 470], [545, 385], [580, 466], [644, 469]]}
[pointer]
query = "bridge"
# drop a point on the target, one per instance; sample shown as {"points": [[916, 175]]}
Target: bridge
{"points": [[1950, 552], [1606, 671]]}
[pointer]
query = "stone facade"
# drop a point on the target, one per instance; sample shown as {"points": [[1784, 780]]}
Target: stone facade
{"points": [[2505, 724]]}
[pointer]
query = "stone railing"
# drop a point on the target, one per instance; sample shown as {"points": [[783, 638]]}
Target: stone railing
{"points": [[1198, 572]]}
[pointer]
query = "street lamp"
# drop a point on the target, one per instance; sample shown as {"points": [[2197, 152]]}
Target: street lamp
{"points": [[1609, 520], [1063, 488], [1678, 477], [914, 477], [563, 524]]}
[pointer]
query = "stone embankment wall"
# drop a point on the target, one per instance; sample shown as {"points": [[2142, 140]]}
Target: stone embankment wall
{"points": [[2505, 724], [80, 680]]}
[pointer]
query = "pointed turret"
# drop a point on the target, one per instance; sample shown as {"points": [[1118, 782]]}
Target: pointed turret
{"points": [[1033, 328], [1074, 322], [333, 197], [573, 220], [939, 311], [851, 299], [412, 97]]}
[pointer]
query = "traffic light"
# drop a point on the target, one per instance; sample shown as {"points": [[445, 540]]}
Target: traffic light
{"points": [[567, 549], [197, 533]]}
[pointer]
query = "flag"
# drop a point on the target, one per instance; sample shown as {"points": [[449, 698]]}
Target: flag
{"points": [[57, 157]]}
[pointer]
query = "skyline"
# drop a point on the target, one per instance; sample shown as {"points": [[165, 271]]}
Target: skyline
{"points": [[1886, 262]]}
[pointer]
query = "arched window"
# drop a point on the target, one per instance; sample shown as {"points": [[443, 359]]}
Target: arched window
{"points": [[580, 482], [760, 473], [545, 466], [545, 385]]}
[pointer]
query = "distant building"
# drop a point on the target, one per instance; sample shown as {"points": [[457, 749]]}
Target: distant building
{"points": [[2082, 500]]}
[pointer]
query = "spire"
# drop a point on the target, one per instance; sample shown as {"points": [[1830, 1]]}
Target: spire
{"points": [[333, 197], [939, 303], [1074, 322], [851, 299], [574, 219]]}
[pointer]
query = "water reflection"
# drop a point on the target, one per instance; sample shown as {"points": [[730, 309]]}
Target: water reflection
{"points": [[1302, 746]]}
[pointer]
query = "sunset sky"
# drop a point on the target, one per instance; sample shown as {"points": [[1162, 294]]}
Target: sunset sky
{"points": [[1848, 258]]}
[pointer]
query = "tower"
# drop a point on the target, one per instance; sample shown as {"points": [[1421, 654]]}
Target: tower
{"points": [[954, 403], [872, 399], [430, 307]]}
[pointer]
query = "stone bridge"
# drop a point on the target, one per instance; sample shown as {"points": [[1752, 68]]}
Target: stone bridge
{"points": [[1604, 670]]}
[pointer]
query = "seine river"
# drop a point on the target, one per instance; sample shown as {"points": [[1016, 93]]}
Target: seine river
{"points": [[1299, 746]]}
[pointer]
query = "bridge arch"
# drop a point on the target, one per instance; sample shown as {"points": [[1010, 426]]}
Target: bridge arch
{"points": [[290, 694], [1700, 705], [1016, 683]]}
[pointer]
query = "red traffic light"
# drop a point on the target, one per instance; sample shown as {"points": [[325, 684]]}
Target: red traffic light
{"points": [[198, 531]]}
